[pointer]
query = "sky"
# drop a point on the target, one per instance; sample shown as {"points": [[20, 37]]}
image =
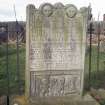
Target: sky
{"points": [[7, 7]]}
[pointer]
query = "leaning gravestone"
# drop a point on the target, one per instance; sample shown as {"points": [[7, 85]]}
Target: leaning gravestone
{"points": [[55, 51]]}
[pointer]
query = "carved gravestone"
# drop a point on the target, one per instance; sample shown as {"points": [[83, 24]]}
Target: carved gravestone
{"points": [[55, 50]]}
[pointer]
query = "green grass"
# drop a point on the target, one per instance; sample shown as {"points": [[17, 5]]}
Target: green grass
{"points": [[12, 65], [94, 60], [97, 78], [97, 75]]}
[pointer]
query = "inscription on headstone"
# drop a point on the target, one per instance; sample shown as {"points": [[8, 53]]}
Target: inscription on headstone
{"points": [[56, 38]]}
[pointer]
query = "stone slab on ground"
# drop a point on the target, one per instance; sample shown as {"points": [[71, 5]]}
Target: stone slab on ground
{"points": [[86, 100]]}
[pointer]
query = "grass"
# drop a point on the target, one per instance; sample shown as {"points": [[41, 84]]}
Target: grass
{"points": [[97, 78], [12, 65], [97, 75]]}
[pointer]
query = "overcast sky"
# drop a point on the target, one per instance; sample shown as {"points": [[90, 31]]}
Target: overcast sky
{"points": [[7, 11]]}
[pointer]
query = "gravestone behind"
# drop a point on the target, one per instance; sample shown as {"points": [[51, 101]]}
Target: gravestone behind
{"points": [[102, 46], [55, 50]]}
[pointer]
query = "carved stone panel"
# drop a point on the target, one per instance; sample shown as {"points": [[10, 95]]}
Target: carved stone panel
{"points": [[54, 85]]}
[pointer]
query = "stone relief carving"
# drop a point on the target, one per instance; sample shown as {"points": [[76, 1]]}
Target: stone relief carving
{"points": [[53, 85], [71, 11], [47, 9]]}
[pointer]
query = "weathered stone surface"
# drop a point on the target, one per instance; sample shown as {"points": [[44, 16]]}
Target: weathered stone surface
{"points": [[56, 38], [86, 100]]}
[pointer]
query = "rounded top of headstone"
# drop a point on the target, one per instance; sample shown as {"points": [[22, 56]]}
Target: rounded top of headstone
{"points": [[83, 9], [46, 9], [58, 5], [31, 6], [71, 10]]}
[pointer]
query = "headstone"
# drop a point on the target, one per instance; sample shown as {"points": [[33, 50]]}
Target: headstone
{"points": [[55, 50], [102, 46]]}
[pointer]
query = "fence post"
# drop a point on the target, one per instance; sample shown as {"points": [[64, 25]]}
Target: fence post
{"points": [[8, 87], [17, 47], [90, 51], [98, 48]]}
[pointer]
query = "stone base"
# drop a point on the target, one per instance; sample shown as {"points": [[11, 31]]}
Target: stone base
{"points": [[86, 100]]}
